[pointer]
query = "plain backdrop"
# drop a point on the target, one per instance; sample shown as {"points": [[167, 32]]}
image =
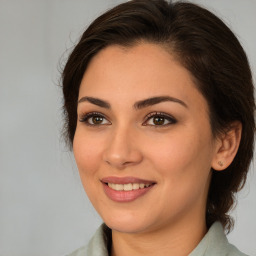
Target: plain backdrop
{"points": [[43, 208]]}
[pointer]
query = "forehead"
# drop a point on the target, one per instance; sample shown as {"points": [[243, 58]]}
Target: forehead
{"points": [[137, 72]]}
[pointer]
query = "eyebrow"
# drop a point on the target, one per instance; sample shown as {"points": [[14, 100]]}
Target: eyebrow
{"points": [[95, 101], [155, 100], [137, 105]]}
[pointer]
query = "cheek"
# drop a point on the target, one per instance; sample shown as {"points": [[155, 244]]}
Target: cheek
{"points": [[180, 153], [87, 155], [182, 163]]}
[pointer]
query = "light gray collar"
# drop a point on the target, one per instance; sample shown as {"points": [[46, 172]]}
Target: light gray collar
{"points": [[214, 243]]}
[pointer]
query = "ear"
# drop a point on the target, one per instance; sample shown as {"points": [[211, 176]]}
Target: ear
{"points": [[227, 145]]}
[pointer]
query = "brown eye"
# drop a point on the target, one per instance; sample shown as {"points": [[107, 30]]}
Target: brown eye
{"points": [[97, 120], [158, 120], [94, 119]]}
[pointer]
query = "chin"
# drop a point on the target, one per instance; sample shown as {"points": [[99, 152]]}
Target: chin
{"points": [[125, 227], [127, 222]]}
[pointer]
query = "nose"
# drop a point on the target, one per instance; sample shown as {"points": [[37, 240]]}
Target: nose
{"points": [[122, 149]]}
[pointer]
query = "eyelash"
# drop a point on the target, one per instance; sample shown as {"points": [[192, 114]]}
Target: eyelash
{"points": [[85, 119], [167, 117]]}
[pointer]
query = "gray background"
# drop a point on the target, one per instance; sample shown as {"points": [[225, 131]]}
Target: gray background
{"points": [[43, 208]]}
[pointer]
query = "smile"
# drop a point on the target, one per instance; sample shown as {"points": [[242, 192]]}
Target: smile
{"points": [[128, 187]]}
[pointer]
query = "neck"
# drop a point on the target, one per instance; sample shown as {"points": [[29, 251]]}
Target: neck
{"points": [[178, 239]]}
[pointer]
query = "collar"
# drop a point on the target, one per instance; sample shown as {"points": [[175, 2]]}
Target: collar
{"points": [[213, 243]]}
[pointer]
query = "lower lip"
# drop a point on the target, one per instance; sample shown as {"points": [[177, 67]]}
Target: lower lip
{"points": [[125, 196]]}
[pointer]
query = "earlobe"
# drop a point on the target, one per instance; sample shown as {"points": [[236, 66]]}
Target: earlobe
{"points": [[227, 145]]}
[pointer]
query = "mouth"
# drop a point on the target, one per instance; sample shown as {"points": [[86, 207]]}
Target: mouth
{"points": [[126, 189]]}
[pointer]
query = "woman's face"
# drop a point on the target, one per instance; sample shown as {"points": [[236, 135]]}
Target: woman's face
{"points": [[143, 143]]}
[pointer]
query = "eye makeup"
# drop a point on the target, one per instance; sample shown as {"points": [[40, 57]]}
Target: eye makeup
{"points": [[156, 119], [159, 119], [94, 119]]}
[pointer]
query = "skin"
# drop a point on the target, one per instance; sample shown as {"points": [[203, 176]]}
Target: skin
{"points": [[177, 156]]}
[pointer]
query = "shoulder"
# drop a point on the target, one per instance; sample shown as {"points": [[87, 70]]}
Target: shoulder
{"points": [[98, 245], [215, 243], [79, 252], [233, 251]]}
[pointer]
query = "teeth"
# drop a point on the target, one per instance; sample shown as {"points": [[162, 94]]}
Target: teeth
{"points": [[142, 185], [118, 187], [135, 186], [128, 187]]}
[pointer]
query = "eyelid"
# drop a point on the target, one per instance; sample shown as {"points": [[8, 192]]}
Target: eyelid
{"points": [[85, 116], [168, 117]]}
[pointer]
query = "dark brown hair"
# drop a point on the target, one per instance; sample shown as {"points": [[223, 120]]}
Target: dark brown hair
{"points": [[208, 49]]}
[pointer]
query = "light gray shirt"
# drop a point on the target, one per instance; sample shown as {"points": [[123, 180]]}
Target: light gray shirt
{"points": [[214, 243]]}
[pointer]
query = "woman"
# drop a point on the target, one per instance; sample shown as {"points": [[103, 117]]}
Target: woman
{"points": [[159, 108]]}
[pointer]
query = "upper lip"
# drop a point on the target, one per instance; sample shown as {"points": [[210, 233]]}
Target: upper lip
{"points": [[125, 180]]}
